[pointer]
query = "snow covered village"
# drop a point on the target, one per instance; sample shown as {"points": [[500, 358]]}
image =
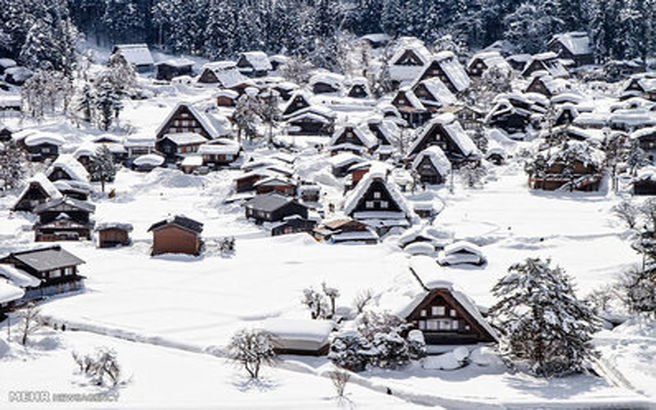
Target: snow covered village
{"points": [[327, 204]]}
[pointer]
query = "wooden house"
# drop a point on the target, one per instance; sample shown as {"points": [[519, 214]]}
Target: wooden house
{"points": [[273, 207], [293, 224], [41, 146], [277, 61], [433, 94], [408, 61], [246, 182], [219, 153], [545, 62], [376, 40], [483, 61], [137, 55], [313, 120], [386, 131], [148, 162], [445, 132], [445, 66], [512, 115], [225, 75], [55, 270], [185, 118], [357, 87], [227, 98], [176, 234], [278, 184], [63, 219], [304, 337], [573, 46], [67, 168], [351, 138], [254, 64], [297, 102], [342, 162], [39, 190], [546, 85], [345, 230], [112, 234], [378, 202], [174, 67], [643, 85], [10, 295], [432, 166], [175, 146], [326, 83], [137, 145], [644, 183], [73, 189], [646, 138], [574, 166], [444, 314], [411, 108]]}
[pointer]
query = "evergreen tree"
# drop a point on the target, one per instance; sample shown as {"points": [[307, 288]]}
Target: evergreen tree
{"points": [[122, 21], [85, 103], [108, 102], [245, 116], [12, 166], [101, 167], [540, 319], [219, 30]]}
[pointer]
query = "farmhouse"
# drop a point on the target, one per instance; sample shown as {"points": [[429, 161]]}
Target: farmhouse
{"points": [[138, 55], [292, 224], [351, 138], [220, 152], [174, 67], [357, 87], [175, 146], [345, 230], [45, 271], [326, 83], [483, 61], [67, 168], [254, 64], [185, 118], [176, 234], [313, 120], [39, 190], [411, 108], [148, 162], [225, 75], [433, 94], [227, 98], [279, 184], [575, 166], [273, 207], [545, 62], [297, 102], [63, 219], [573, 46], [432, 166], [445, 66], [41, 146], [408, 61], [445, 132]]}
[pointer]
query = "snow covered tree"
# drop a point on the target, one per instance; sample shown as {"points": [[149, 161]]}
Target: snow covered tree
{"points": [[270, 109], [121, 21], [628, 213], [297, 70], [227, 246], [101, 167], [12, 166], [636, 156], [108, 102], [339, 379], [362, 300], [316, 303], [252, 349], [102, 366], [472, 174], [541, 322], [370, 323], [219, 29], [246, 115], [30, 321], [121, 74], [85, 103], [638, 288], [332, 294]]}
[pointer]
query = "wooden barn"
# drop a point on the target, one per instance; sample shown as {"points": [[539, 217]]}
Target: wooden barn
{"points": [[574, 166], [433, 94], [278, 184], [41, 146], [177, 234], [293, 224], [357, 87], [112, 234], [137, 55], [227, 98], [297, 102], [326, 83], [313, 120], [483, 61], [545, 62], [345, 230], [185, 118], [351, 138], [55, 269]]}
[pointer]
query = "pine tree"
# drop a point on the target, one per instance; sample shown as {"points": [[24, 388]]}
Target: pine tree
{"points": [[541, 321], [121, 21], [245, 116], [219, 30], [108, 102], [85, 103], [101, 167], [12, 166]]}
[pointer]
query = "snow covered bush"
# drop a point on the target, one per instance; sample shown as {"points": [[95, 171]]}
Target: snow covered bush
{"points": [[472, 174], [350, 350], [339, 379], [370, 323], [227, 246], [541, 322], [102, 366], [296, 70], [316, 302], [627, 212], [245, 116], [252, 349], [390, 351], [638, 288]]}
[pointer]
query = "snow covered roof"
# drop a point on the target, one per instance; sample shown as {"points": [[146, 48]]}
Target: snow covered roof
{"points": [[257, 59], [268, 202], [192, 161], [227, 74], [413, 45], [228, 93], [219, 149], [18, 277], [643, 132], [43, 138], [438, 90], [362, 132], [298, 334], [377, 174], [436, 157], [7, 63], [87, 149], [9, 292], [411, 98], [185, 138], [48, 187], [314, 112], [215, 127], [47, 258], [179, 220], [139, 140], [577, 42], [333, 80], [645, 173], [179, 62], [101, 226], [137, 54], [454, 130], [344, 158], [491, 58], [453, 69], [70, 165], [579, 150], [435, 236], [149, 160]]}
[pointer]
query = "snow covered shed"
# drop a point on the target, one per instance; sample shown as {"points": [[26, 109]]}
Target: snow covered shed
{"points": [[461, 252], [273, 207], [138, 55], [111, 234], [345, 230], [305, 337], [432, 166], [176, 234]]}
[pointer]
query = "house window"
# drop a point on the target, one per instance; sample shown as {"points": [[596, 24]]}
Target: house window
{"points": [[455, 324], [445, 324], [369, 204], [55, 273], [228, 157], [384, 204], [45, 150], [377, 195], [421, 324], [452, 312], [422, 313], [432, 324], [438, 310]]}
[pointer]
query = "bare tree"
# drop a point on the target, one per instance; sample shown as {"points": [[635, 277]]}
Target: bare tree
{"points": [[627, 212], [316, 303], [340, 379], [31, 322], [102, 366], [362, 299], [252, 349]]}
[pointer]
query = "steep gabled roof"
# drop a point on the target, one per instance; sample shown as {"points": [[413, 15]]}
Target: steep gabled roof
{"points": [[44, 259], [362, 132], [258, 60], [136, 54], [71, 166], [436, 157], [46, 185], [73, 203], [205, 121], [452, 128], [576, 42]]}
